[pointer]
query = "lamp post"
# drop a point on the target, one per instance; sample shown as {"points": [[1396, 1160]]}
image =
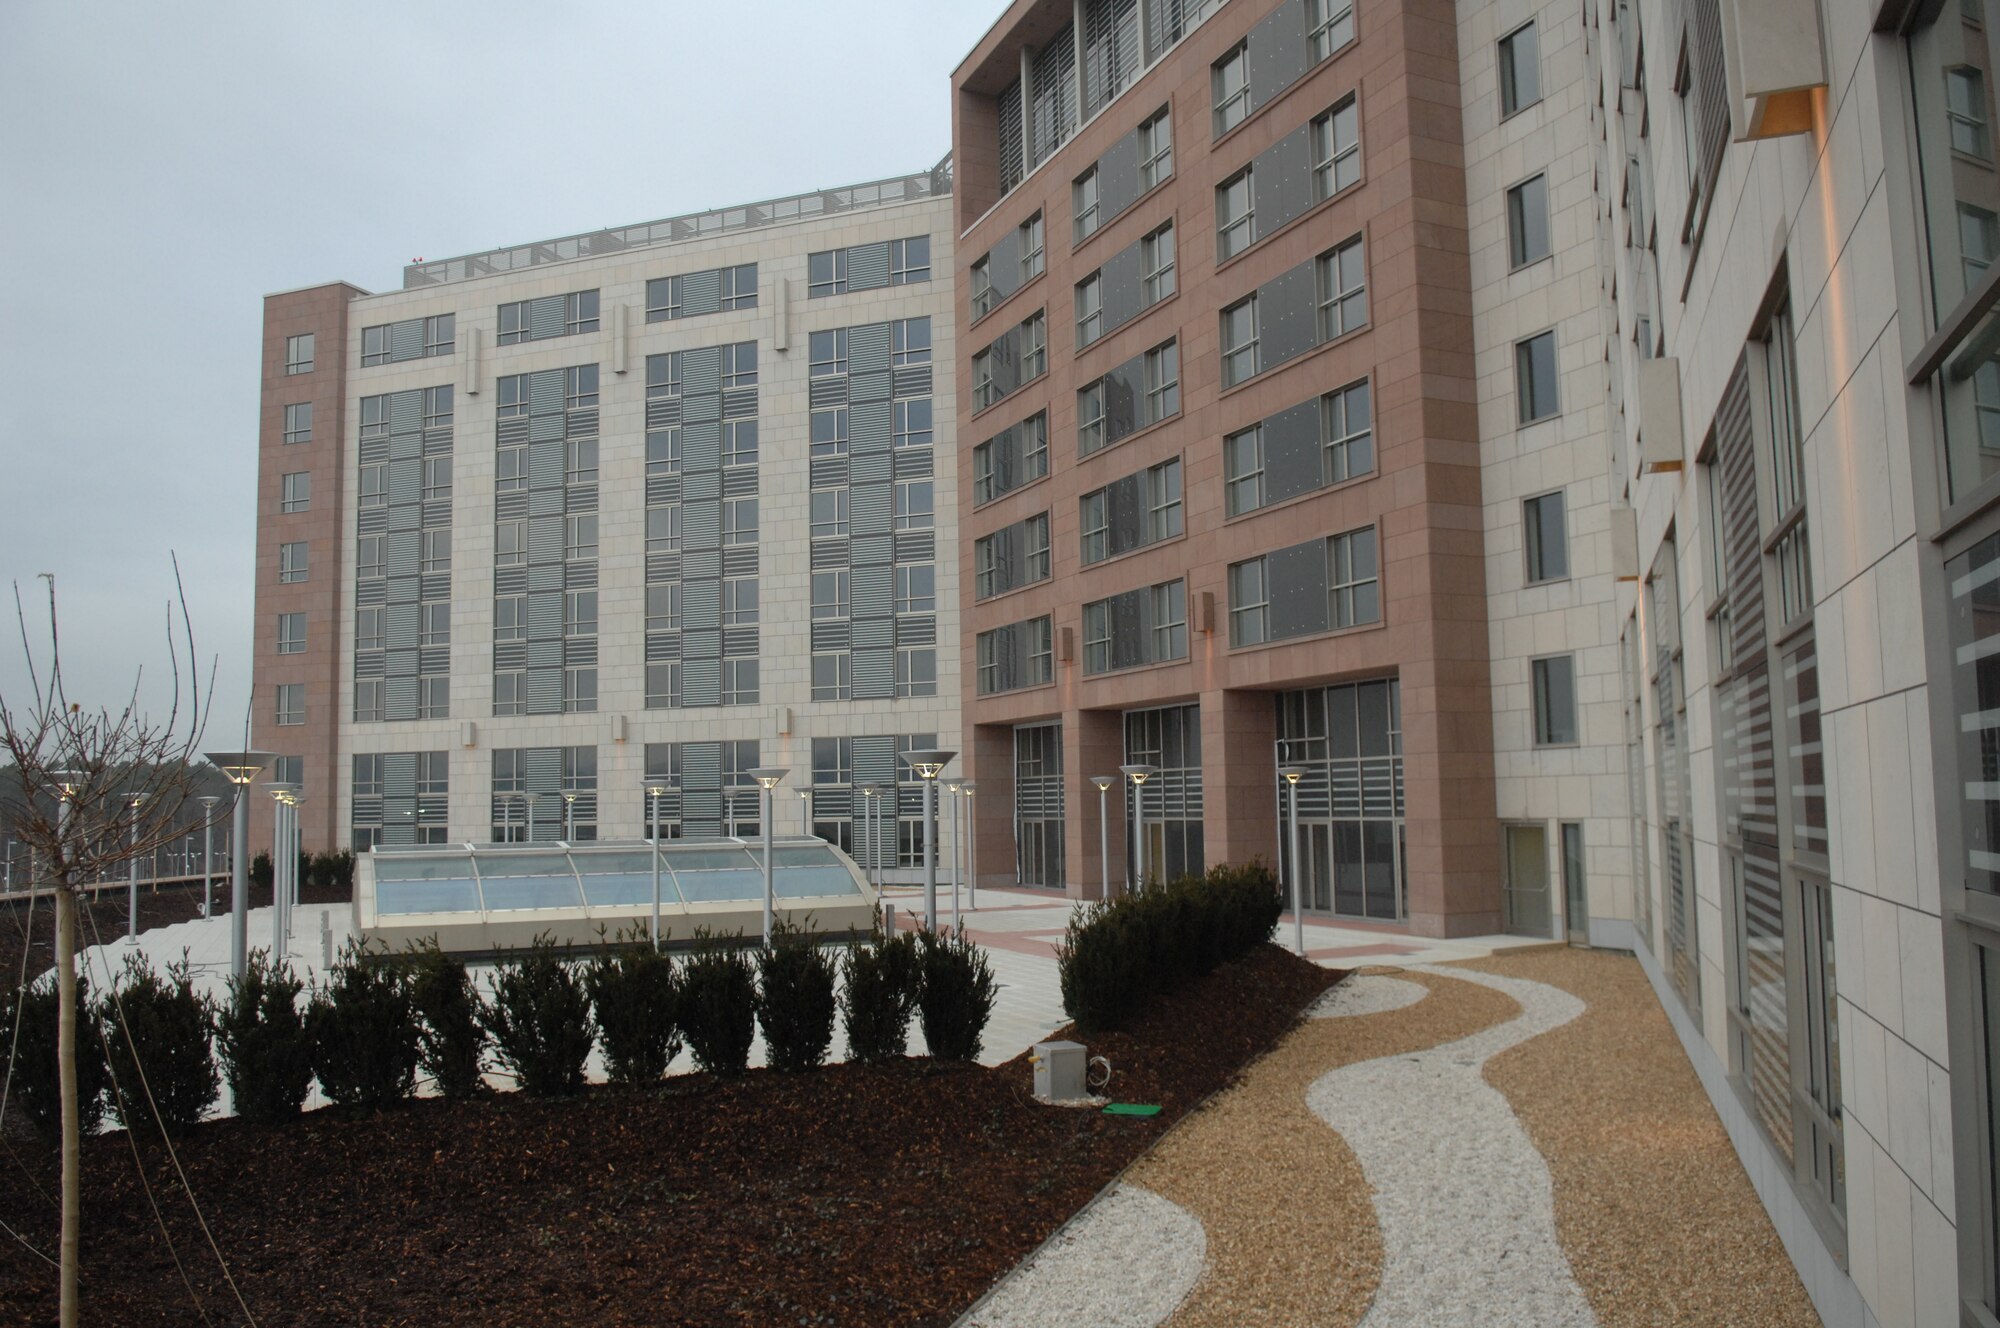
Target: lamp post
{"points": [[929, 764], [966, 790], [1139, 774], [208, 802], [281, 793], [768, 778], [655, 791], [868, 834], [1292, 775], [241, 769], [294, 850], [1104, 783], [951, 787], [132, 879], [569, 818], [805, 813]]}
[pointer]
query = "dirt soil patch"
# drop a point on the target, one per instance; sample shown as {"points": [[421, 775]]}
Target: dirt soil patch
{"points": [[847, 1196]]}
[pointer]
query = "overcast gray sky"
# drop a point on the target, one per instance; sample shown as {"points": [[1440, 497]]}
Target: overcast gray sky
{"points": [[164, 166]]}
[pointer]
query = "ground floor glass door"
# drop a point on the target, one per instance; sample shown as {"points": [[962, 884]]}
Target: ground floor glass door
{"points": [[1350, 799], [1527, 904]]}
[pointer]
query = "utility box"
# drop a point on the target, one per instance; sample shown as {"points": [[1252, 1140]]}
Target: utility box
{"points": [[1059, 1070]]}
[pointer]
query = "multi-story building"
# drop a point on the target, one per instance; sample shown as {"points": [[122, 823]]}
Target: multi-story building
{"points": [[1217, 378], [557, 525], [1567, 431]]}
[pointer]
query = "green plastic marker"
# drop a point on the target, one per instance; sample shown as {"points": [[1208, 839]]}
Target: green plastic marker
{"points": [[1131, 1109]]}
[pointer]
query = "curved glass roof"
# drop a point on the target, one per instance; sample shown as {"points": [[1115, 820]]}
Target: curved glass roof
{"points": [[514, 878]]}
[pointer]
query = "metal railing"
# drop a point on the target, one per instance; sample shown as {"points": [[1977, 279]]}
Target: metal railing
{"points": [[692, 226]]}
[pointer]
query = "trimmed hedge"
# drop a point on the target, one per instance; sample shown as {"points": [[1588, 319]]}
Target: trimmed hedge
{"points": [[879, 996], [450, 1038], [795, 1003], [955, 995], [1121, 953], [540, 1020], [158, 1035], [364, 1032], [260, 1031], [31, 1018], [635, 993], [718, 1004]]}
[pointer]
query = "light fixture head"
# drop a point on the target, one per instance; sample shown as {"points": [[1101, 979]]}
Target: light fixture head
{"points": [[867, 790], [67, 782], [966, 787], [1103, 782], [1292, 773], [135, 798], [951, 786], [1138, 774], [656, 788], [928, 763], [240, 767], [281, 789], [769, 777], [208, 801]]}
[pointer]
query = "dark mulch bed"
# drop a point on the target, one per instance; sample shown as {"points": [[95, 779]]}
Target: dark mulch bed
{"points": [[847, 1196]]}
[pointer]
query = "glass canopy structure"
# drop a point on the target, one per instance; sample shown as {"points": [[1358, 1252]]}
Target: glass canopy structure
{"points": [[479, 898]]}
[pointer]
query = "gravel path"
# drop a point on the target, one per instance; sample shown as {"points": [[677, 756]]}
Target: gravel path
{"points": [[1124, 1262], [1652, 1207], [1367, 993], [1462, 1196], [1292, 1238]]}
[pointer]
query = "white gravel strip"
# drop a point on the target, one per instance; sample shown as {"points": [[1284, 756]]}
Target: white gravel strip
{"points": [[1464, 1201], [1367, 993], [1126, 1261]]}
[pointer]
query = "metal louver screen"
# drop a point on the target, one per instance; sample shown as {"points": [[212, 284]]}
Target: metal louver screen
{"points": [[868, 266], [406, 412], [1054, 118], [406, 339], [545, 317], [1110, 50], [1013, 165]]}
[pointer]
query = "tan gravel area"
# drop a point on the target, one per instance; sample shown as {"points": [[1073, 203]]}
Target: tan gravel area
{"points": [[1653, 1209], [1292, 1238]]}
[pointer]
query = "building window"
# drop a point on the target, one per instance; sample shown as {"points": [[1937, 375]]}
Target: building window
{"points": [[368, 557], [1138, 627], [1520, 70], [1353, 589], [1156, 254], [912, 425], [1163, 381], [739, 521], [1163, 501], [579, 691], [1343, 290], [663, 607], [298, 489], [580, 613], [437, 479], [1131, 512], [1090, 309], [1248, 602], [434, 624], [739, 682], [916, 588], [291, 703], [1788, 462], [580, 387], [738, 288], [435, 551], [1528, 221], [829, 513], [983, 297], [1965, 111], [291, 633], [1348, 431], [1554, 700], [299, 422], [909, 260], [663, 687], [916, 672], [1032, 248], [299, 354], [913, 509], [1083, 204], [292, 562], [830, 595], [1978, 241], [1090, 419], [1243, 467], [368, 701], [434, 698], [1329, 26], [1034, 347], [1230, 82], [1535, 377], [1011, 557], [1235, 214], [1239, 342], [579, 312], [739, 365], [826, 274], [1156, 151], [1690, 129], [579, 537], [829, 432], [832, 677], [440, 334], [1546, 537], [1336, 149], [1006, 462]]}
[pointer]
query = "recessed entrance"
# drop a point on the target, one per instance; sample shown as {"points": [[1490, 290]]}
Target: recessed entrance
{"points": [[1527, 903]]}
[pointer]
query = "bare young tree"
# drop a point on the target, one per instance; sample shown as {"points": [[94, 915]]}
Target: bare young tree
{"points": [[94, 787]]}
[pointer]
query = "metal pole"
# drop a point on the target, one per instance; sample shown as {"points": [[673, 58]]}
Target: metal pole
{"points": [[208, 862], [767, 867], [1298, 910], [239, 884], [528, 810], [1139, 828], [132, 886], [930, 853], [278, 841], [654, 795], [971, 856], [954, 857], [1104, 837]]}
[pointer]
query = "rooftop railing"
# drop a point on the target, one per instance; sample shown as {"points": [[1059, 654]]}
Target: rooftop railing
{"points": [[693, 226]]}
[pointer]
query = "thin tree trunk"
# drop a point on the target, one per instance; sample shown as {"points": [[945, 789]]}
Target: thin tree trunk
{"points": [[72, 1147]]}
